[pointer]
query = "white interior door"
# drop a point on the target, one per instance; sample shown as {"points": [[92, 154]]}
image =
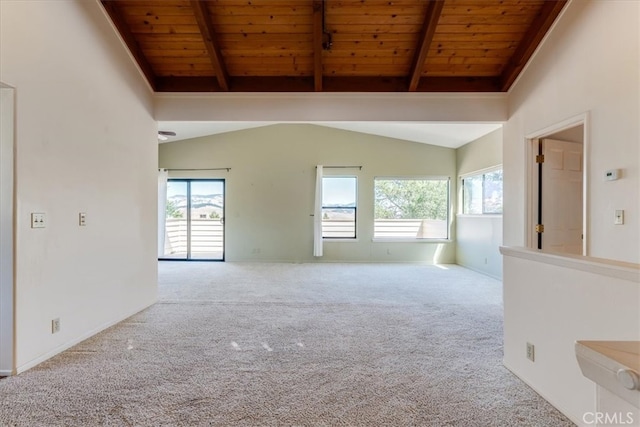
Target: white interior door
{"points": [[562, 197], [7, 97]]}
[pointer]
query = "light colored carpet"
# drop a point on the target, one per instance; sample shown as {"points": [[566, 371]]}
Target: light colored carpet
{"points": [[291, 345]]}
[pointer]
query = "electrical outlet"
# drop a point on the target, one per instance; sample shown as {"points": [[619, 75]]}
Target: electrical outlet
{"points": [[55, 325], [82, 219], [531, 352]]}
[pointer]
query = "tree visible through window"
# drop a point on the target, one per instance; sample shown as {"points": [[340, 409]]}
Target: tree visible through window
{"points": [[411, 208], [339, 206], [172, 210]]}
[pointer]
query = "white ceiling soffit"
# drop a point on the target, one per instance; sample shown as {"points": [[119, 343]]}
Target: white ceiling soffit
{"points": [[452, 135]]}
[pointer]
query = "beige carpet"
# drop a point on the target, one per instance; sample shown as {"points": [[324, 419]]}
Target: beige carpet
{"points": [[291, 345]]}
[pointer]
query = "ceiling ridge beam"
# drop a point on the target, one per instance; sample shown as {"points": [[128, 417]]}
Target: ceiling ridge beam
{"points": [[209, 37], [434, 9], [130, 41], [318, 32], [530, 42]]}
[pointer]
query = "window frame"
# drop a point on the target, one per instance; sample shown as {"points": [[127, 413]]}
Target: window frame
{"points": [[474, 174], [354, 208], [400, 239]]}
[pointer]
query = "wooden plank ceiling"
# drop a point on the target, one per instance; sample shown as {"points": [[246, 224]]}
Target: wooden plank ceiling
{"points": [[332, 45]]}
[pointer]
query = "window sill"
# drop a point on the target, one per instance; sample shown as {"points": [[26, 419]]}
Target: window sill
{"points": [[478, 215], [339, 239], [407, 240]]}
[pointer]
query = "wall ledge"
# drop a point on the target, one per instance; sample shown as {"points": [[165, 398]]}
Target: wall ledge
{"points": [[604, 267]]}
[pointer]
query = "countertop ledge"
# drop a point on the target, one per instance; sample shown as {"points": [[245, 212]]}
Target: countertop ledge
{"points": [[604, 267]]}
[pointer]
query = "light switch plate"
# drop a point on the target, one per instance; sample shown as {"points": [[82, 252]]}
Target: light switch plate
{"points": [[619, 217], [37, 220]]}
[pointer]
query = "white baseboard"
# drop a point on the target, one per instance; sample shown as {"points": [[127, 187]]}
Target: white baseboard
{"points": [[477, 270], [78, 340]]}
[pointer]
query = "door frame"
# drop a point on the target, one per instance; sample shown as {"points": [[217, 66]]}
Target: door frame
{"points": [[224, 226], [7, 230], [532, 176]]}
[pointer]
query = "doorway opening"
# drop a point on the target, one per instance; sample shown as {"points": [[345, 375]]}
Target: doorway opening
{"points": [[194, 224], [557, 184], [7, 244]]}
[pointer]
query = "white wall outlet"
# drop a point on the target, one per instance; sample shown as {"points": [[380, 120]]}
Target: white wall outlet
{"points": [[619, 217], [37, 220], [531, 352], [55, 325], [82, 219]]}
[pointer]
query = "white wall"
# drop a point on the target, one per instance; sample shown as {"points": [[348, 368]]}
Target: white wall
{"points": [[573, 134], [552, 306], [270, 188], [588, 64], [85, 143], [332, 106], [479, 236]]}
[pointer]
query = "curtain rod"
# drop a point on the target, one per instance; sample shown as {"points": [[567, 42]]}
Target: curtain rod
{"points": [[201, 169], [341, 167]]}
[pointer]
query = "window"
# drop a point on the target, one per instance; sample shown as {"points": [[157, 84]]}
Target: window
{"points": [[409, 208], [339, 198], [482, 193]]}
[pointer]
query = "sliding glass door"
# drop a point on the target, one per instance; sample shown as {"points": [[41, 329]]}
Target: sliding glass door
{"points": [[194, 227]]}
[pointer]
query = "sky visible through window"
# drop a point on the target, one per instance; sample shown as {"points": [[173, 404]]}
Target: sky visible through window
{"points": [[338, 191], [198, 188]]}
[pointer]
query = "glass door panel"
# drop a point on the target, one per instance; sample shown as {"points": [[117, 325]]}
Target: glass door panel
{"points": [[176, 233], [194, 220], [207, 220]]}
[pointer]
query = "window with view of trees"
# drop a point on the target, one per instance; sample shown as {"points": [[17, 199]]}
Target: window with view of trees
{"points": [[339, 206], [411, 208], [482, 193]]}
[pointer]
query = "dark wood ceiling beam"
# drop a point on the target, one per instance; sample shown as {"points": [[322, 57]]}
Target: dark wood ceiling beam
{"points": [[331, 84], [318, 30], [209, 37], [130, 41], [434, 9], [539, 27]]}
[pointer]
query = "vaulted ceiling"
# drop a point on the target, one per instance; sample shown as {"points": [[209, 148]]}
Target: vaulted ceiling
{"points": [[332, 45]]}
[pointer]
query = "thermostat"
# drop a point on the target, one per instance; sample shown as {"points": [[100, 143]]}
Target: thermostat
{"points": [[612, 174]]}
